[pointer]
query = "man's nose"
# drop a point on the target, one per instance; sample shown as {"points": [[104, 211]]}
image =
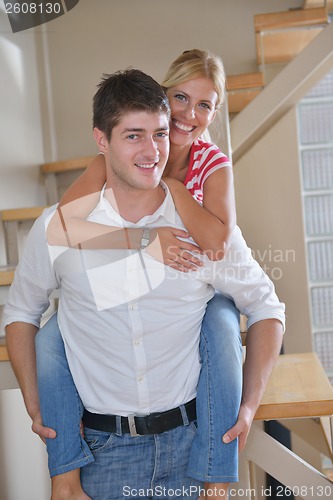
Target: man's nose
{"points": [[151, 149]]}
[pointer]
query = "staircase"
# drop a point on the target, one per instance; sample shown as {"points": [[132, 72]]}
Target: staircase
{"points": [[280, 37]]}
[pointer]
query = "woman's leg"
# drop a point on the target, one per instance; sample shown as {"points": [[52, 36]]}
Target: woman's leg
{"points": [[219, 394], [60, 404]]}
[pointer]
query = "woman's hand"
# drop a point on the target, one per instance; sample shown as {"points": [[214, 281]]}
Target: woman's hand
{"points": [[166, 247]]}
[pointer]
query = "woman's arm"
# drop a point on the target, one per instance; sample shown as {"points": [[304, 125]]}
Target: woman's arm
{"points": [[89, 183], [209, 225], [69, 227]]}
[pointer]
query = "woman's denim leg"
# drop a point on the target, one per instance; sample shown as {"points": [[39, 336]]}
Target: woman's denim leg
{"points": [[60, 404], [219, 393]]}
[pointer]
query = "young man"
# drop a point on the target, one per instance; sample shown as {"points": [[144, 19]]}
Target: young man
{"points": [[131, 325]]}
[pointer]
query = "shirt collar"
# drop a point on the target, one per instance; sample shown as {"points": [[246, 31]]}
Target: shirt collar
{"points": [[167, 210]]}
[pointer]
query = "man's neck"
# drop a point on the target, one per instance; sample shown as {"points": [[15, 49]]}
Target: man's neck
{"points": [[133, 205]]}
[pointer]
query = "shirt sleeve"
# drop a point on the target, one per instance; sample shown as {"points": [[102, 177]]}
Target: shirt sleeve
{"points": [[212, 160], [34, 280], [240, 277]]}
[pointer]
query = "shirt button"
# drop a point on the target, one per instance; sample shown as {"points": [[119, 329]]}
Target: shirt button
{"points": [[140, 379], [137, 342]]}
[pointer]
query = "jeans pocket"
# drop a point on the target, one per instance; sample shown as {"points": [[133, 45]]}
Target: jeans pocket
{"points": [[97, 440]]}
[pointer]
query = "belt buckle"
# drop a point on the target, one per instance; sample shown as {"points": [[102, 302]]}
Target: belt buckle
{"points": [[132, 426]]}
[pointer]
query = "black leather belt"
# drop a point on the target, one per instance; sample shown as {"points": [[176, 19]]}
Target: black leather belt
{"points": [[154, 423]]}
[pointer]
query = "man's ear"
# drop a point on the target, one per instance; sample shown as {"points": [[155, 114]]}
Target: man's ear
{"points": [[101, 140]]}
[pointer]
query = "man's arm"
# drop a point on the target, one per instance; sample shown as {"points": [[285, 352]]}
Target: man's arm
{"points": [[20, 339], [263, 344]]}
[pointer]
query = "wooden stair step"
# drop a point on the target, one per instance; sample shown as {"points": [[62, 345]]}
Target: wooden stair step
{"points": [[299, 18], [6, 275], [59, 175], [16, 223], [244, 81], [242, 89], [283, 46], [66, 165], [21, 214], [239, 100], [3, 350]]}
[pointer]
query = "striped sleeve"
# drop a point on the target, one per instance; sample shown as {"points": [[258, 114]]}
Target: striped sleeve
{"points": [[205, 159]]}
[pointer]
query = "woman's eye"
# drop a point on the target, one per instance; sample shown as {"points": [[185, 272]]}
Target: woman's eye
{"points": [[204, 105], [180, 97]]}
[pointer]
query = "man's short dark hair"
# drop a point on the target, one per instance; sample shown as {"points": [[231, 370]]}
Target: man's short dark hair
{"points": [[125, 92]]}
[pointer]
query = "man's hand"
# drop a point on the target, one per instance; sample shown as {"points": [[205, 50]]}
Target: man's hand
{"points": [[43, 432], [241, 429]]}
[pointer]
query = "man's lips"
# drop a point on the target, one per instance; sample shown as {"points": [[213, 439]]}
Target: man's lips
{"points": [[146, 166]]}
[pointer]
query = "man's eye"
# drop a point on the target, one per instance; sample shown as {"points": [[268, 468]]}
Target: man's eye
{"points": [[132, 136], [162, 134]]}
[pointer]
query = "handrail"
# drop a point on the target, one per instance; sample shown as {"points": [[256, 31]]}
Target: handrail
{"points": [[285, 91]]}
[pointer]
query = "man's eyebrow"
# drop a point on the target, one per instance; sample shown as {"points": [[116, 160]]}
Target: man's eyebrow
{"points": [[126, 130], [134, 129]]}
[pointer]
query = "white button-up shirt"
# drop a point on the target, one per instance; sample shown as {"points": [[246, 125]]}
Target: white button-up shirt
{"points": [[131, 325]]}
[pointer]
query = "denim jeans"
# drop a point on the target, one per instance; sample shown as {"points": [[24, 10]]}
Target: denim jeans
{"points": [[61, 406], [218, 398], [140, 467], [218, 394]]}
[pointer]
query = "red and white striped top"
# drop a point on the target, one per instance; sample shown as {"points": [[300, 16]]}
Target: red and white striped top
{"points": [[205, 158]]}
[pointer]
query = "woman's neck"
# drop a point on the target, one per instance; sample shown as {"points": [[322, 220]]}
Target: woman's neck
{"points": [[177, 164]]}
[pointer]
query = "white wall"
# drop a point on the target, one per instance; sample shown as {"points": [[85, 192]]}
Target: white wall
{"points": [[269, 209]]}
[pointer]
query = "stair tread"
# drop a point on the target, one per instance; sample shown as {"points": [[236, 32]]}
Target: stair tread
{"points": [[27, 213], [290, 19], [66, 165], [6, 275], [238, 100], [283, 46], [244, 81]]}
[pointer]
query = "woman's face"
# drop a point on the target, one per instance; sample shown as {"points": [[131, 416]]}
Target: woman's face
{"points": [[192, 109]]}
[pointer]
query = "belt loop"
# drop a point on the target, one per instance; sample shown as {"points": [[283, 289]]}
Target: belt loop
{"points": [[119, 430], [184, 415]]}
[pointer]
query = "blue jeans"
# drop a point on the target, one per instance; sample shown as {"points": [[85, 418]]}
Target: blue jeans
{"points": [[140, 467], [60, 404], [218, 398], [218, 394]]}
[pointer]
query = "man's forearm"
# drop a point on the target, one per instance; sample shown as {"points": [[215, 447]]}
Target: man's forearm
{"points": [[21, 349], [263, 345]]}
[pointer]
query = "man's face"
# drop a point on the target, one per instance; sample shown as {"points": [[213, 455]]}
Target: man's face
{"points": [[138, 151]]}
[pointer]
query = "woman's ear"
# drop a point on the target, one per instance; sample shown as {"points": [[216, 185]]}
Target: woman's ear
{"points": [[101, 140]]}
